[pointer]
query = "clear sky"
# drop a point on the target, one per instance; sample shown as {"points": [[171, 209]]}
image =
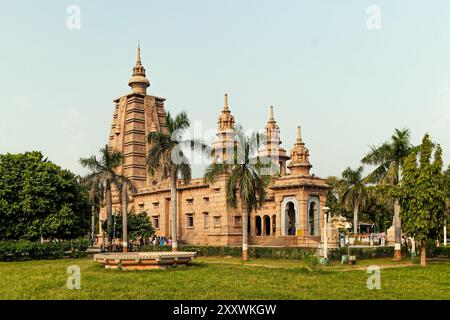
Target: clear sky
{"points": [[317, 62]]}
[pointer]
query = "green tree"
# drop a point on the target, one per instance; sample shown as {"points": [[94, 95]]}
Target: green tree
{"points": [[38, 199], [423, 194], [388, 159], [333, 197], [103, 172], [166, 157], [354, 192], [139, 226], [245, 184], [378, 209]]}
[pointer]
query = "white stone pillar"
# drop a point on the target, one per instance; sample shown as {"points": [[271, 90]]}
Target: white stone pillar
{"points": [[445, 233], [325, 236]]}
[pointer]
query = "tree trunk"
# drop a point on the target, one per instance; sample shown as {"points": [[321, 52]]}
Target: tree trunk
{"points": [[398, 231], [423, 254], [124, 218], [93, 224], [108, 212], [355, 216], [244, 224], [173, 204]]}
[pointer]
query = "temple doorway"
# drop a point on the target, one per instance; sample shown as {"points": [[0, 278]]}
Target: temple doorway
{"points": [[289, 216], [291, 223], [313, 217]]}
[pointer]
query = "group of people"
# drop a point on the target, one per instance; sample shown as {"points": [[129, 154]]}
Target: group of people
{"points": [[161, 241]]}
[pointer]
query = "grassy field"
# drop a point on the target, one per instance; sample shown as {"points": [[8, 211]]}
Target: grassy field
{"points": [[221, 278]]}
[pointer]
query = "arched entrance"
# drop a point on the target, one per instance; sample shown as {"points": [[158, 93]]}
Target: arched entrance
{"points": [[289, 216], [291, 223], [313, 217]]}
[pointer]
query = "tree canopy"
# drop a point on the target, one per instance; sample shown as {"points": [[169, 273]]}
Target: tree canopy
{"points": [[139, 226], [423, 192], [38, 198]]}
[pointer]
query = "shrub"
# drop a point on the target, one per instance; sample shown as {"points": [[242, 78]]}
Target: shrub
{"points": [[28, 250], [291, 253]]}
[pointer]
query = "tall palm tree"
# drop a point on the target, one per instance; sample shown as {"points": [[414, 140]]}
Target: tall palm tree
{"points": [[165, 155], [354, 192], [96, 196], [244, 177], [125, 185], [389, 158], [103, 171]]}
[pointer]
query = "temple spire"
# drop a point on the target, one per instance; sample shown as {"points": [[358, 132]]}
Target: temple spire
{"points": [[299, 135], [225, 105], [271, 117], [138, 58], [300, 164], [138, 82]]}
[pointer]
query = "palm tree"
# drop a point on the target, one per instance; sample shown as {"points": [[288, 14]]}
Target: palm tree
{"points": [[103, 172], [244, 177], [125, 184], [354, 192], [389, 158], [96, 196], [165, 155]]}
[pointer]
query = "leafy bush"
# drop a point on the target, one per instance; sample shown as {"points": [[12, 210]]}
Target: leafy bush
{"points": [[28, 250], [291, 253]]}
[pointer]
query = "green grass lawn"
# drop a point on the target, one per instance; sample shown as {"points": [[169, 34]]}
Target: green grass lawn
{"points": [[221, 278]]}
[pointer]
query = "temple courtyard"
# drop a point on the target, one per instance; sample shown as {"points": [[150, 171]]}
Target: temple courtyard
{"points": [[226, 278]]}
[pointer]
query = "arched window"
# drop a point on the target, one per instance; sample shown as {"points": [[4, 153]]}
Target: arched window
{"points": [[267, 225], [311, 218], [290, 215], [274, 224], [258, 225]]}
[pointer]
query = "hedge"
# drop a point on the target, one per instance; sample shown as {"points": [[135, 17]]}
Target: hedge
{"points": [[28, 250], [293, 253]]}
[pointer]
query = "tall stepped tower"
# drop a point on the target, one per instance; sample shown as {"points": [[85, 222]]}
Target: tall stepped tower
{"points": [[135, 115]]}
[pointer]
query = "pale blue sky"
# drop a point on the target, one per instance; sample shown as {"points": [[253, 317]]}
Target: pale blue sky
{"points": [[315, 61]]}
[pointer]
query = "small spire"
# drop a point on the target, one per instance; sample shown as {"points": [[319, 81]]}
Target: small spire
{"points": [[138, 58], [299, 134], [225, 105], [138, 82], [271, 117]]}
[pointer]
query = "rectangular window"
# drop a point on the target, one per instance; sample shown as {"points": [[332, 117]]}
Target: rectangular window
{"points": [[205, 220], [216, 222], [156, 222], [190, 220], [237, 221]]}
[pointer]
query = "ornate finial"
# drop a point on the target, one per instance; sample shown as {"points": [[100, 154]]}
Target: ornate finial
{"points": [[138, 82], [300, 164], [138, 58], [226, 120], [271, 117], [225, 105]]}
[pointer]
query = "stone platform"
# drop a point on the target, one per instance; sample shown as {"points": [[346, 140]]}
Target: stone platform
{"points": [[144, 260]]}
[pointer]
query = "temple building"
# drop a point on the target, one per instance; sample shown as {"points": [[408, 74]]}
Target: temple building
{"points": [[292, 214]]}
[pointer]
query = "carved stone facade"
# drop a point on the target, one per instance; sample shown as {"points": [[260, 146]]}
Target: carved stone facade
{"points": [[290, 216]]}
